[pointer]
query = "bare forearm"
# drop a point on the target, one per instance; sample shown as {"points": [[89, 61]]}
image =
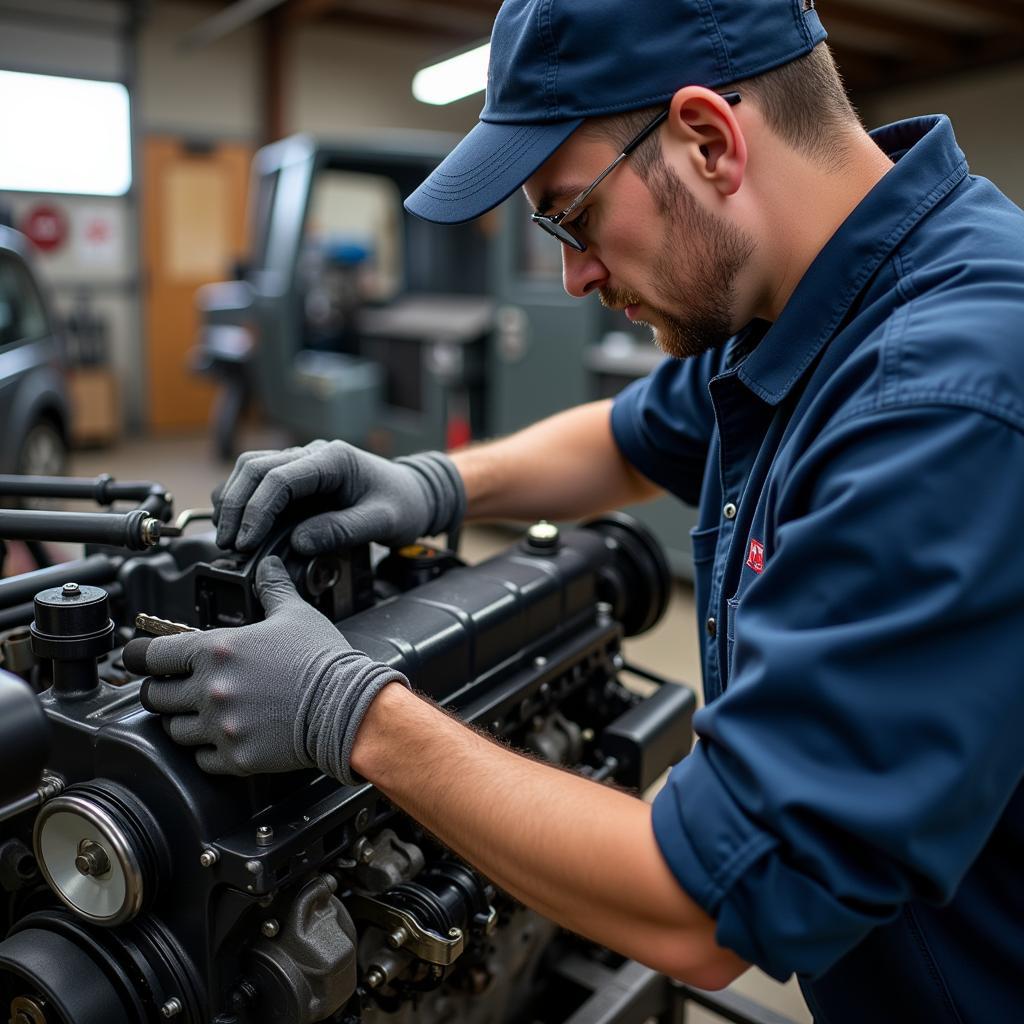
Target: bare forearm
{"points": [[580, 853], [564, 467]]}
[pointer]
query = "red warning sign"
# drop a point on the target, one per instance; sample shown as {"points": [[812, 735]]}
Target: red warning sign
{"points": [[46, 226]]}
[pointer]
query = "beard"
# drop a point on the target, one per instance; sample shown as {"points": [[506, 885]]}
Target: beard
{"points": [[716, 252]]}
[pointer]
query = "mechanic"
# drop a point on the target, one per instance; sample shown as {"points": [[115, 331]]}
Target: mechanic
{"points": [[845, 403]]}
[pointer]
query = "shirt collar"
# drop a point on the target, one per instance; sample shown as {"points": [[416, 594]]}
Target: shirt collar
{"points": [[929, 165]]}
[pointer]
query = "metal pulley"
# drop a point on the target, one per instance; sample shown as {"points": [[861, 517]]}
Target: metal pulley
{"points": [[96, 855]]}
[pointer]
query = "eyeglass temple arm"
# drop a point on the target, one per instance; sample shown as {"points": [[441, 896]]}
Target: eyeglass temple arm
{"points": [[732, 98]]}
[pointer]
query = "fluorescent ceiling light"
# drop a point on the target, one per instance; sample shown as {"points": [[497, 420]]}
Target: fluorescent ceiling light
{"points": [[454, 78], [64, 135]]}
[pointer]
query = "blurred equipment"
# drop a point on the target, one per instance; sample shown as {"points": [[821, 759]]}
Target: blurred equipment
{"points": [[92, 383], [351, 319], [140, 889]]}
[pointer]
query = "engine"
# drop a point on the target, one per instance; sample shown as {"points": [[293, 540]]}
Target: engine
{"points": [[135, 888]]}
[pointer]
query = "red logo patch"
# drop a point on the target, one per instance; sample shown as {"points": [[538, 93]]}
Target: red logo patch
{"points": [[756, 557]]}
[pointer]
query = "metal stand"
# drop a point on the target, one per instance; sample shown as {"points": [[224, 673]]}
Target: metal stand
{"points": [[634, 994]]}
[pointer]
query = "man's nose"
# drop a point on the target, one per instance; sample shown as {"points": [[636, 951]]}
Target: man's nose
{"points": [[582, 272]]}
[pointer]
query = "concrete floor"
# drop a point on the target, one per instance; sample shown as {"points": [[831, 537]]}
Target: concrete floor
{"points": [[188, 468]]}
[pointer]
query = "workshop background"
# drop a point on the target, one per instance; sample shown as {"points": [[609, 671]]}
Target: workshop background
{"points": [[209, 304]]}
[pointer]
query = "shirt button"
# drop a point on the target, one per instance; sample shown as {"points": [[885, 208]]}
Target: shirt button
{"points": [[712, 627], [729, 511]]}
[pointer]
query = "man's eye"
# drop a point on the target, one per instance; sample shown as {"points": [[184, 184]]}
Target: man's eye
{"points": [[579, 222]]}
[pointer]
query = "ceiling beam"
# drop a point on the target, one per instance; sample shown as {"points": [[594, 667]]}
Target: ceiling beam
{"points": [[299, 11], [1005, 10], [916, 36], [446, 36], [429, 13], [225, 22]]}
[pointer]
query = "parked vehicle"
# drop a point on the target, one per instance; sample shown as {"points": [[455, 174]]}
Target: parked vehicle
{"points": [[34, 414]]}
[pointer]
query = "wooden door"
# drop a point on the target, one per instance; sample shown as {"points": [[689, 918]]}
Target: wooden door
{"points": [[194, 229]]}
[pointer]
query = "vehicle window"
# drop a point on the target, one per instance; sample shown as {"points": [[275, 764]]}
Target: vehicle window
{"points": [[355, 221], [265, 192], [22, 317]]}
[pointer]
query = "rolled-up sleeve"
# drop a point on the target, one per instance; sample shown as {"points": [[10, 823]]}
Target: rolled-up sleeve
{"points": [[870, 735], [663, 424]]}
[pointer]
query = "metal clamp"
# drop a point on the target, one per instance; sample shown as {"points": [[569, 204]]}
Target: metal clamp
{"points": [[421, 942]]}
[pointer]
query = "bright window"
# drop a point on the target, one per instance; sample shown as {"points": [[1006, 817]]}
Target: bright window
{"points": [[64, 135]]}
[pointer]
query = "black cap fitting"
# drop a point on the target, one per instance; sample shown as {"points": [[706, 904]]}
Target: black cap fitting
{"points": [[72, 627]]}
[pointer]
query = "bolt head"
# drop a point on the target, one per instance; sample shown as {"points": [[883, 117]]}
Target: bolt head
{"points": [[542, 536], [71, 588], [270, 928], [208, 858], [171, 1008]]}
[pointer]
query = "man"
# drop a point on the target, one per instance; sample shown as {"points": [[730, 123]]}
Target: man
{"points": [[845, 405]]}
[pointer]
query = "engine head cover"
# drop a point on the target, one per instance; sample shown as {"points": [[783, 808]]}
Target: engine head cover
{"points": [[94, 855]]}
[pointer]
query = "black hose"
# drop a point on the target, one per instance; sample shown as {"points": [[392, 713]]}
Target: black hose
{"points": [[96, 569], [122, 530]]}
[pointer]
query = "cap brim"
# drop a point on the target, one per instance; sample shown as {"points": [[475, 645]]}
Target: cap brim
{"points": [[485, 168]]}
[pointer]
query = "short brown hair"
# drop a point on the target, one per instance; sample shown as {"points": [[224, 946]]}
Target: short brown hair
{"points": [[804, 102]]}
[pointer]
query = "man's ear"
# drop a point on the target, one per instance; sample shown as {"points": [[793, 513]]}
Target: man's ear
{"points": [[704, 132]]}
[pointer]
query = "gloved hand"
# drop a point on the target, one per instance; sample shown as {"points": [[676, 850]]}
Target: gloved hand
{"points": [[391, 502], [282, 694]]}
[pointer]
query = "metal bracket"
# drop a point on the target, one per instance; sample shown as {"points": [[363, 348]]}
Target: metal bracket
{"points": [[406, 931]]}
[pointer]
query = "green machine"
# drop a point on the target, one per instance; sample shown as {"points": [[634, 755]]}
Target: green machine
{"points": [[352, 319]]}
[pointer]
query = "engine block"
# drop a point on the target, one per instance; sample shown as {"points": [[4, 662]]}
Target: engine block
{"points": [[139, 889]]}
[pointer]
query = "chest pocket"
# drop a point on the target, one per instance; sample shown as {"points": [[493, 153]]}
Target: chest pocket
{"points": [[705, 543]]}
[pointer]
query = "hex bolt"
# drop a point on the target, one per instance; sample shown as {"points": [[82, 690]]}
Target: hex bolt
{"points": [[150, 531], [454, 933], [264, 835], [171, 1008], [542, 535], [363, 819], [92, 860], [70, 590], [540, 661], [375, 977], [398, 938], [253, 867], [209, 857], [269, 928], [604, 610]]}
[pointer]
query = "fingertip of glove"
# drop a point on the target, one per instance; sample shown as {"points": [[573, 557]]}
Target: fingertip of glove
{"points": [[270, 567], [304, 542], [144, 698], [134, 654]]}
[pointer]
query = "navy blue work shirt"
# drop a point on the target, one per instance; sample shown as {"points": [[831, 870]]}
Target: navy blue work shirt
{"points": [[854, 809]]}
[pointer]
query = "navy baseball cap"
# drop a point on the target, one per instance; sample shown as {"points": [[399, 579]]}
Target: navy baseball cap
{"points": [[554, 63]]}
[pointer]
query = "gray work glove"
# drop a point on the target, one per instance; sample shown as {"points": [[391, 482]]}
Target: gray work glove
{"points": [[285, 693], [389, 501]]}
